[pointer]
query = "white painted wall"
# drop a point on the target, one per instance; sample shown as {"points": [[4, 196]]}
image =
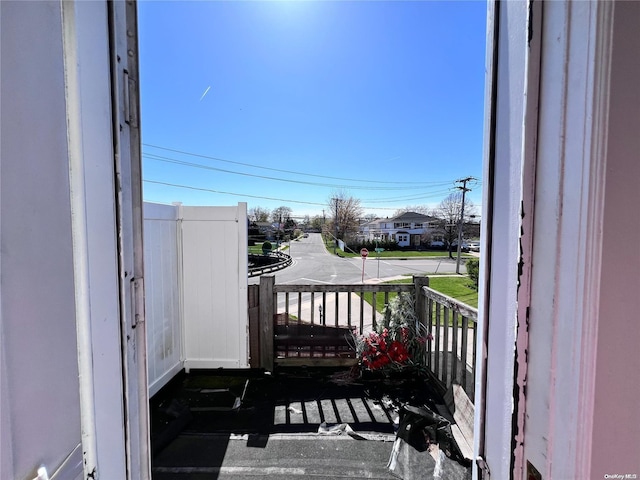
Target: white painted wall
{"points": [[616, 416], [215, 267], [162, 260], [47, 126], [40, 402]]}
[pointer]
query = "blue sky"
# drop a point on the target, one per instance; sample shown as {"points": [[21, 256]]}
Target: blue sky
{"points": [[287, 102]]}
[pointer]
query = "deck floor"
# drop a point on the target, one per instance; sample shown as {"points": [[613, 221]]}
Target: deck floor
{"points": [[247, 424]]}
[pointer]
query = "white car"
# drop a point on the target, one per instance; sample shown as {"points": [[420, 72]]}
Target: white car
{"points": [[473, 246], [464, 247]]}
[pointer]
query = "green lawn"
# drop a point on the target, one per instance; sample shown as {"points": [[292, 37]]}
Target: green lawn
{"points": [[256, 249], [329, 245], [400, 253], [455, 287]]}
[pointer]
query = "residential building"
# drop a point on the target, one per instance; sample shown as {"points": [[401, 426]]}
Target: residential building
{"points": [[409, 229]]}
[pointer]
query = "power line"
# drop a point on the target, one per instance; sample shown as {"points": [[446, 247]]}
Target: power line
{"points": [[264, 177], [210, 190], [289, 171], [421, 196]]}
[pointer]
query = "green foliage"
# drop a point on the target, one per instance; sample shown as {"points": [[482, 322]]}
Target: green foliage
{"points": [[371, 245], [473, 270], [266, 247], [399, 339]]}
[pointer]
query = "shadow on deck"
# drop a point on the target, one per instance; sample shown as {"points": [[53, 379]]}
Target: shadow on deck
{"points": [[238, 424]]}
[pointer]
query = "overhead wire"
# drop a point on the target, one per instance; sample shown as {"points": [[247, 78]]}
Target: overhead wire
{"points": [[284, 200], [264, 177], [406, 185], [291, 171]]}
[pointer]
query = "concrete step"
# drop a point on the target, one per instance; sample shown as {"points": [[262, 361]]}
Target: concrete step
{"points": [[199, 457]]}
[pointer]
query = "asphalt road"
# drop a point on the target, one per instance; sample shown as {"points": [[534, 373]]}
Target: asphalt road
{"points": [[313, 264]]}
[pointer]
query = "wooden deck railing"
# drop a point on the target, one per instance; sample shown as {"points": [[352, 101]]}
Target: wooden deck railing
{"points": [[283, 316], [451, 355]]}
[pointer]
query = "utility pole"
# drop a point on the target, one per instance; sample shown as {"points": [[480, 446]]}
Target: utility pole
{"points": [[464, 189]]}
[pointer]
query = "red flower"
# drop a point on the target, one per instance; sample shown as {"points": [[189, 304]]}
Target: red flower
{"points": [[398, 352]]}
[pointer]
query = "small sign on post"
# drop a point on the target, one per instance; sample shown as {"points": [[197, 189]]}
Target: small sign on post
{"points": [[363, 253]]}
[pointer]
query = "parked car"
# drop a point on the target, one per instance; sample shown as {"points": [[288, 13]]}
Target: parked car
{"points": [[436, 244], [464, 247], [474, 246]]}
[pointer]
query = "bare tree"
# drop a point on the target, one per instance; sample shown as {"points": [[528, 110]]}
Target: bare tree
{"points": [[423, 209], [346, 212], [449, 212], [370, 217], [259, 214]]}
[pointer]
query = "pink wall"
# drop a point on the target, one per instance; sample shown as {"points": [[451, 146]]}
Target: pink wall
{"points": [[616, 427]]}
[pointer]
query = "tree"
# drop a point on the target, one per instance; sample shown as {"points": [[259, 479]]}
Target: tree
{"points": [[281, 214], [449, 214], [345, 211], [317, 222], [259, 214], [423, 209], [369, 217]]}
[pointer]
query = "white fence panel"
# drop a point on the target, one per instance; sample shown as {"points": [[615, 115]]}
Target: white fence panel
{"points": [[215, 286], [162, 294]]}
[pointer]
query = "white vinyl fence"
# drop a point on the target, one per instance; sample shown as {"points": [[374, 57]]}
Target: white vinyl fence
{"points": [[195, 289]]}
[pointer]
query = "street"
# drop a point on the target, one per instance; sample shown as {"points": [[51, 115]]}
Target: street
{"points": [[313, 264]]}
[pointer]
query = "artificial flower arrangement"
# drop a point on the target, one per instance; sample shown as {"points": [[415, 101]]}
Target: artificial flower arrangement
{"points": [[398, 341]]}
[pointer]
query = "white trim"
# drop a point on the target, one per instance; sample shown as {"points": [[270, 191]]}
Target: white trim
{"points": [[568, 220], [527, 216], [501, 212], [79, 233], [485, 237], [564, 181], [126, 106], [595, 145], [243, 285]]}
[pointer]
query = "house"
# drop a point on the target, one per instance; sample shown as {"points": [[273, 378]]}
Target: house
{"points": [[408, 229], [557, 393]]}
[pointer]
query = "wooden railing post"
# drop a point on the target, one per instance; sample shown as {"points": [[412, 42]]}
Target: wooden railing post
{"points": [[266, 321], [421, 281]]}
